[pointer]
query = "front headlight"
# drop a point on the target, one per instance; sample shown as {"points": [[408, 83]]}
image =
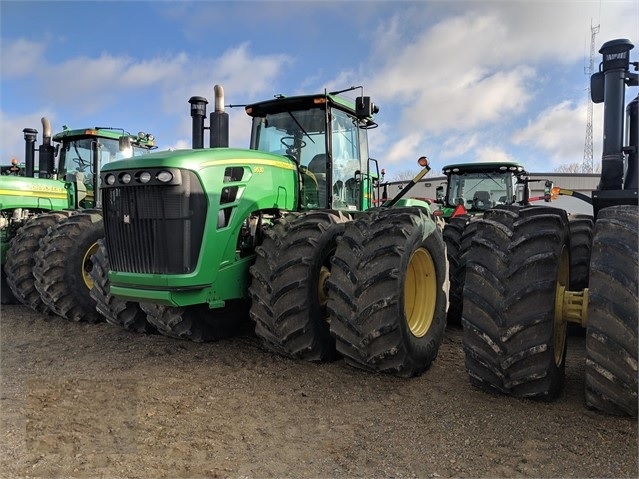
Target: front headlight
{"points": [[145, 177], [164, 176]]}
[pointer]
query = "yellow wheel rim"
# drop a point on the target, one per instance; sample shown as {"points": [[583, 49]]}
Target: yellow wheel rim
{"points": [[420, 292], [560, 326], [322, 297], [87, 265]]}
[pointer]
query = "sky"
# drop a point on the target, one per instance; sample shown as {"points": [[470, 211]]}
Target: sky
{"points": [[456, 81]]}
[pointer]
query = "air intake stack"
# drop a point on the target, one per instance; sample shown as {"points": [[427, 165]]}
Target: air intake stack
{"points": [[198, 113], [30, 135]]}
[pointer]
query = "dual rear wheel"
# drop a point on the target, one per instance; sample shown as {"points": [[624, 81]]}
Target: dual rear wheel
{"points": [[388, 291], [371, 289], [49, 261], [517, 273]]}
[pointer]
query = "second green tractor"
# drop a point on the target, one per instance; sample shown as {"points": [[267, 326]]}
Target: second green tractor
{"points": [[50, 218]]}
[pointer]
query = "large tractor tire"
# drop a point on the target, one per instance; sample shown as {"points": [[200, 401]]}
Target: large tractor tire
{"points": [[516, 273], [20, 259], [197, 323], [62, 266], [121, 313], [581, 227], [457, 236], [288, 286], [388, 291], [611, 337]]}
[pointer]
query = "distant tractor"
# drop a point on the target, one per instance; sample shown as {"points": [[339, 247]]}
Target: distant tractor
{"points": [[518, 297], [46, 243], [472, 188], [285, 229]]}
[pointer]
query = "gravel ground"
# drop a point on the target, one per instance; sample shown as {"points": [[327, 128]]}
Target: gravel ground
{"points": [[82, 400]]}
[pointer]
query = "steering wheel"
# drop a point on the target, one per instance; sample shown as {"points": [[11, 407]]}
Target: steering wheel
{"points": [[82, 165], [289, 142]]}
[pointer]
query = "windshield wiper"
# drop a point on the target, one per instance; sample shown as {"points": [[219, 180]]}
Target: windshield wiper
{"points": [[301, 127]]}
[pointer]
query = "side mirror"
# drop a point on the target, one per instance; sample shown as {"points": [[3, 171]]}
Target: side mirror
{"points": [[364, 107], [597, 87], [439, 194]]}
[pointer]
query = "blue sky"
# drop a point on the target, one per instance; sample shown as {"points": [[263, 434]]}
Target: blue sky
{"points": [[457, 81]]}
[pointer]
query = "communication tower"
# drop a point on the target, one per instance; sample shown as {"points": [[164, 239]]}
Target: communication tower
{"points": [[588, 165]]}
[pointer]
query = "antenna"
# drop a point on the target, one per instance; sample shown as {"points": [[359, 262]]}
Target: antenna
{"points": [[588, 165]]}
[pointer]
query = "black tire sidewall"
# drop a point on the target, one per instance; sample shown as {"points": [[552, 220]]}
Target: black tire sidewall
{"points": [[74, 273]]}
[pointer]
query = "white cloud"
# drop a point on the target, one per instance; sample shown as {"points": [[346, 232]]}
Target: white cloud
{"points": [[86, 87], [248, 73], [558, 131], [456, 146], [491, 153], [11, 132], [403, 150], [461, 68], [20, 57]]}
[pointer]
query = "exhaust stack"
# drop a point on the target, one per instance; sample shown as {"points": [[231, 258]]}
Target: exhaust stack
{"points": [[46, 152]]}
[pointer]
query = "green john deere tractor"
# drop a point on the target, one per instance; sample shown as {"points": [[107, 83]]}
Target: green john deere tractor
{"points": [[46, 243], [285, 229], [518, 294]]}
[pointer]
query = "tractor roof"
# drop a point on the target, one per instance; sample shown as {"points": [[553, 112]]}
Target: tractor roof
{"points": [[141, 139], [494, 166], [303, 102]]}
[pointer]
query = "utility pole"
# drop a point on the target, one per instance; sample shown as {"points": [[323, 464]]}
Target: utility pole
{"points": [[588, 165]]}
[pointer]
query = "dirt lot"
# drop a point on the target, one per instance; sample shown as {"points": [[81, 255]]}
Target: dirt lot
{"points": [[83, 400]]}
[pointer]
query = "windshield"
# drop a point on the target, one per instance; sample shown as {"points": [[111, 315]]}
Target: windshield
{"points": [[301, 136], [79, 154], [480, 190]]}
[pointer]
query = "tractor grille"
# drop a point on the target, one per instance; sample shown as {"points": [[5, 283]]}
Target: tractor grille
{"points": [[155, 229]]}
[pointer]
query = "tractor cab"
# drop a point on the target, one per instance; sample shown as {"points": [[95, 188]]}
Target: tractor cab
{"points": [[83, 152], [476, 187], [75, 158], [327, 141]]}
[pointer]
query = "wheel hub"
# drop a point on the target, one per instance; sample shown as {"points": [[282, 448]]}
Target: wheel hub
{"points": [[87, 265]]}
